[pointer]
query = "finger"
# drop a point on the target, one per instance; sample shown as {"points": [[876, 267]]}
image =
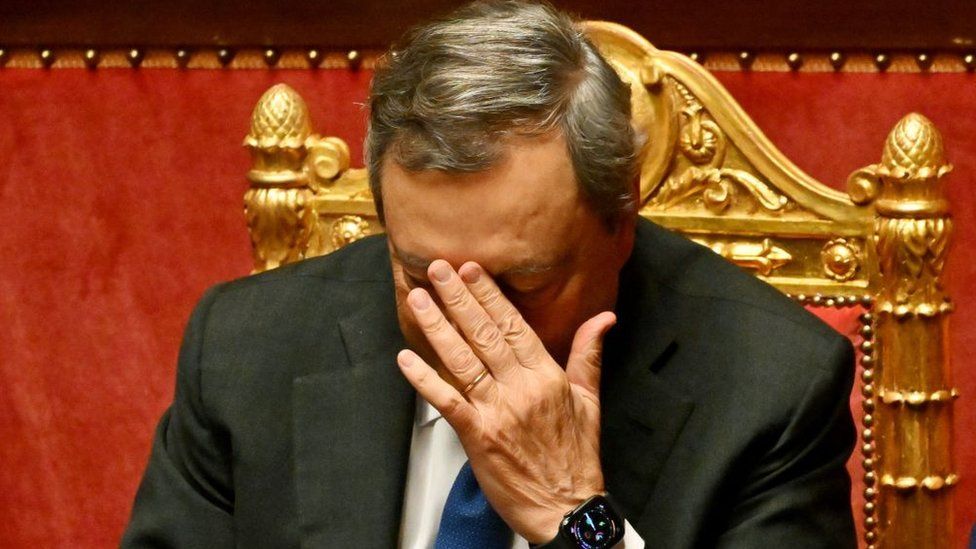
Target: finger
{"points": [[439, 393], [522, 339], [583, 367], [468, 315], [454, 352]]}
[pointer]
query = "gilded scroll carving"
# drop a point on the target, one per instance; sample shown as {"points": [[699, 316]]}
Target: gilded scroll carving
{"points": [[700, 167], [763, 257]]}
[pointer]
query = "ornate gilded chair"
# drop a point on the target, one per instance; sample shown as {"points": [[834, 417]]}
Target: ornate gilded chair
{"points": [[875, 253]]}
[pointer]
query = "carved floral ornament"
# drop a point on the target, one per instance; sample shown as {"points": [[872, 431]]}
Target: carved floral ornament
{"points": [[841, 259], [700, 171], [348, 229]]}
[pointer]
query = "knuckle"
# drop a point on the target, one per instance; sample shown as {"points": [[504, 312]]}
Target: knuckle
{"points": [[512, 326], [489, 298], [486, 336], [461, 358], [455, 297], [435, 324]]}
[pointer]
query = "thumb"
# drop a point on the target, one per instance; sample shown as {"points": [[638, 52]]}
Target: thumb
{"points": [[583, 367]]}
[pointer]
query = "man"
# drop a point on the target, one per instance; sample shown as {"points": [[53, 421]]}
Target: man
{"points": [[519, 361]]}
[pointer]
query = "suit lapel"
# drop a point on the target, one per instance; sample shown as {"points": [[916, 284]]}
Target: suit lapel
{"points": [[642, 415], [352, 428]]}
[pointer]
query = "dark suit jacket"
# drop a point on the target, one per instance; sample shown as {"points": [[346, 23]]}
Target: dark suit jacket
{"points": [[724, 410]]}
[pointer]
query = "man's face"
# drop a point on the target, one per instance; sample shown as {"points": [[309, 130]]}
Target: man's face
{"points": [[524, 221]]}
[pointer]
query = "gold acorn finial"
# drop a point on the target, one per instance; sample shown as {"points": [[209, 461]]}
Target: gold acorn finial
{"points": [[913, 148], [280, 119]]}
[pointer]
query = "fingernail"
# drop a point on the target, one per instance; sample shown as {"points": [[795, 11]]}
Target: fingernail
{"points": [[404, 359], [419, 299], [470, 274], [441, 271]]}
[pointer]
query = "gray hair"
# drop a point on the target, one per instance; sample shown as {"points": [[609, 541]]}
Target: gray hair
{"points": [[453, 89]]}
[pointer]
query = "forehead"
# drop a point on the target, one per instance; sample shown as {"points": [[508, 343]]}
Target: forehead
{"points": [[523, 211]]}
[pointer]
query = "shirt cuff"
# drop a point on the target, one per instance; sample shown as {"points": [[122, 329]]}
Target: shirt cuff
{"points": [[632, 539]]}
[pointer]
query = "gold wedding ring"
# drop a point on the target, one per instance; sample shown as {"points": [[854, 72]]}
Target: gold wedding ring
{"points": [[475, 381]]}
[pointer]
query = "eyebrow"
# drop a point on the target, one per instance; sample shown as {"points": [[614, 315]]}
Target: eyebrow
{"points": [[418, 263]]}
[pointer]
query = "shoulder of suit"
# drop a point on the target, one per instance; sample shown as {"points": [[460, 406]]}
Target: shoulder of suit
{"points": [[694, 272], [363, 261]]}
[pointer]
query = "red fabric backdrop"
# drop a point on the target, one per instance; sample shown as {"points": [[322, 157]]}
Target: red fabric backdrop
{"points": [[120, 198]]}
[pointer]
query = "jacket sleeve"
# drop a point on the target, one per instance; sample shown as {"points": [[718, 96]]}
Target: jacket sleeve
{"points": [[799, 495], [186, 498]]}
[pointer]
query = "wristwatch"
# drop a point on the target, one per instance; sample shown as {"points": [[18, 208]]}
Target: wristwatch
{"points": [[593, 524]]}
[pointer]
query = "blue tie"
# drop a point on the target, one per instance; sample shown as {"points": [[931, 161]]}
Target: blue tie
{"points": [[468, 521]]}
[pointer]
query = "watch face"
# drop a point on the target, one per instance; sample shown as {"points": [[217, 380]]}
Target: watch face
{"points": [[595, 526]]}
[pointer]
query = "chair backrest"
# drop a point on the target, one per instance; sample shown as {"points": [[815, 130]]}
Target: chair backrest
{"points": [[875, 252]]}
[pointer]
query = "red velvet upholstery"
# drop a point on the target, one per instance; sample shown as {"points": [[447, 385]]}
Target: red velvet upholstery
{"points": [[845, 320], [120, 198]]}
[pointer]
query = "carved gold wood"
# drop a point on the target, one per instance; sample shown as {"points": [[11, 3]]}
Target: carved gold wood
{"points": [[914, 418], [304, 200], [710, 173]]}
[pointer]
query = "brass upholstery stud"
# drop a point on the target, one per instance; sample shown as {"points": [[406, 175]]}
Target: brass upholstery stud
{"points": [[47, 58], [91, 58], [225, 56], [746, 59], [271, 57], [134, 56], [837, 60], [969, 61], [314, 58], [354, 59], [924, 61], [182, 58], [882, 61], [794, 60]]}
